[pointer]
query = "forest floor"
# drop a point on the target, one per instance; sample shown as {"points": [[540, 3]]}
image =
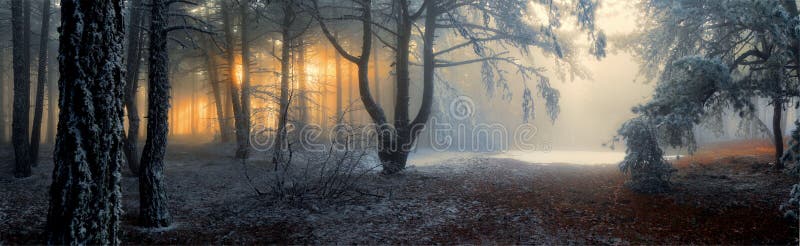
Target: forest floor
{"points": [[726, 194]]}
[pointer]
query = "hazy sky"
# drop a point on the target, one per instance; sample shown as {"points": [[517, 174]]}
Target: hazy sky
{"points": [[593, 109]]}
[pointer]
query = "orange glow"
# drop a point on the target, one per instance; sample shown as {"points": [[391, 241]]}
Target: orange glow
{"points": [[239, 74]]}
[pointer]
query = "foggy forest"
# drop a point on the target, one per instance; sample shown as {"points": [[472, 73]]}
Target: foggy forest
{"points": [[588, 122]]}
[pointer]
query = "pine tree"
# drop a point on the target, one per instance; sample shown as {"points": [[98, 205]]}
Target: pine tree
{"points": [[133, 61], [152, 196], [41, 82], [19, 124], [85, 196]]}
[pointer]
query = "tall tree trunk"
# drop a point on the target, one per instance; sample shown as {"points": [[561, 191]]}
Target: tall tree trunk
{"points": [[339, 109], [36, 133], [19, 124], [394, 153], [3, 82], [234, 89], [351, 86], [133, 59], [211, 68], [323, 84], [243, 122], [376, 71], [85, 196], [283, 111], [777, 133], [52, 99], [302, 80], [152, 196]]}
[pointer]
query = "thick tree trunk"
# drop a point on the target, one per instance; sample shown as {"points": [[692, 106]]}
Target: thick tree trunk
{"points": [[395, 148], [777, 133], [133, 59], [394, 152], [152, 196], [36, 133], [243, 122], [21, 108], [85, 196]]}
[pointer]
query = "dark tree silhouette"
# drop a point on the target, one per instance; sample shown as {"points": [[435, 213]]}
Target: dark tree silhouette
{"points": [[36, 132], [152, 197], [19, 124], [133, 61]]}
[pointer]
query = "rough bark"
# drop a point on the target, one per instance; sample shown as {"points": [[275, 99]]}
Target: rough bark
{"points": [[133, 61], [20, 113], [85, 196], [36, 132], [152, 196]]}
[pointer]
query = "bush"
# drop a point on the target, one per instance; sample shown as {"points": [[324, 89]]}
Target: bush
{"points": [[644, 160]]}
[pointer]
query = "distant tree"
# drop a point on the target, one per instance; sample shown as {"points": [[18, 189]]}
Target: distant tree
{"points": [[243, 131], [134, 50], [85, 196], [3, 92], [44, 34], [19, 124], [235, 90], [52, 102], [287, 37]]}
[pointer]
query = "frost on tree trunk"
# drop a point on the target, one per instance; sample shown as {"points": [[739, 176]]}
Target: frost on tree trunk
{"points": [[85, 196], [133, 57], [152, 196], [21, 108], [36, 133]]}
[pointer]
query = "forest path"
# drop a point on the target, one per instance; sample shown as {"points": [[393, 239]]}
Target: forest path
{"points": [[469, 199]]}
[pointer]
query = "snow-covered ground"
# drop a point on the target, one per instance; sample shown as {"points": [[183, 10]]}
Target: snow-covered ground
{"points": [[430, 157]]}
